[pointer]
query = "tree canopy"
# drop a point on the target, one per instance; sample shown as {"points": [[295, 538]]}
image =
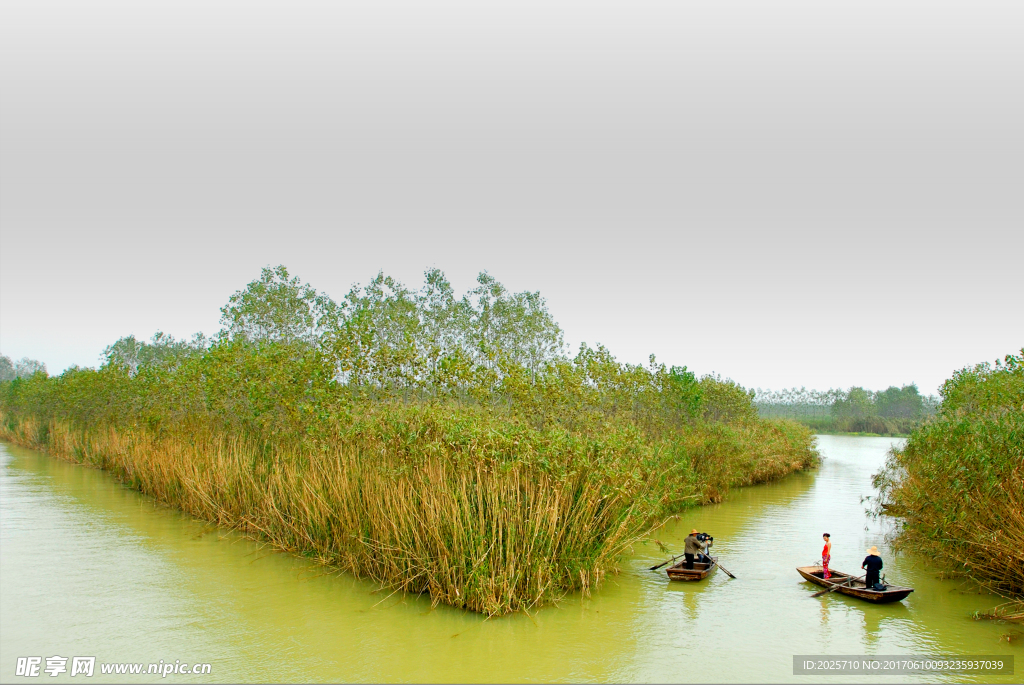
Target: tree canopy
{"points": [[285, 349]]}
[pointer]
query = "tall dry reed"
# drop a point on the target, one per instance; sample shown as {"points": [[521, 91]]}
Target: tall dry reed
{"points": [[491, 537], [426, 510], [957, 486]]}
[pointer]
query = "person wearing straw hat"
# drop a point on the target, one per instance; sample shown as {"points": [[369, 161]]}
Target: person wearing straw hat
{"points": [[694, 548], [873, 564]]}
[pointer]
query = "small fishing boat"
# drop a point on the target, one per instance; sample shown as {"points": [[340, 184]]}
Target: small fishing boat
{"points": [[700, 570], [856, 588]]}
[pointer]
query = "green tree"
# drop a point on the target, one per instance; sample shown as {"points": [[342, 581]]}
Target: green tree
{"points": [[277, 307], [857, 403], [900, 403], [726, 400], [514, 326], [376, 342], [444, 334], [23, 368], [162, 352], [6, 369], [985, 386]]}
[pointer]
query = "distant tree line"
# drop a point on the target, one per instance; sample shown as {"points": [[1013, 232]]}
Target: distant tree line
{"points": [[10, 370], [891, 411]]}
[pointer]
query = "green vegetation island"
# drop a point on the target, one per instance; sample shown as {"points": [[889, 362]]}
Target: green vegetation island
{"points": [[433, 443]]}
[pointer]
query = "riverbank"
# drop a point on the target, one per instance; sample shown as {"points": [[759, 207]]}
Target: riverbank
{"points": [[860, 434], [957, 486], [872, 427]]}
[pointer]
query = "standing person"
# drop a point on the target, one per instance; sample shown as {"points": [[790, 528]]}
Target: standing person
{"points": [[693, 548], [826, 554], [873, 564]]}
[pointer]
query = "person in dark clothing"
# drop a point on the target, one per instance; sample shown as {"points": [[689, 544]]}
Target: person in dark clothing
{"points": [[873, 564], [694, 548]]}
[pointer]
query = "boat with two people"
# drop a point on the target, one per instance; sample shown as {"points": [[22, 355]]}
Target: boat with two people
{"points": [[853, 587]]}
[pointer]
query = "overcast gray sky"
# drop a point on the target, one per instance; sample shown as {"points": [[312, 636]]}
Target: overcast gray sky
{"points": [[787, 193]]}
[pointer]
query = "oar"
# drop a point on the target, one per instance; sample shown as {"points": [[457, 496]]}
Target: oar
{"points": [[726, 571], [655, 568], [836, 586]]}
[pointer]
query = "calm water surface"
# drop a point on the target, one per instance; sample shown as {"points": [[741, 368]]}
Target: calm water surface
{"points": [[89, 568]]}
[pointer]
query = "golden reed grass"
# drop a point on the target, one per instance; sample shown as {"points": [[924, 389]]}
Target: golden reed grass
{"points": [[494, 538]]}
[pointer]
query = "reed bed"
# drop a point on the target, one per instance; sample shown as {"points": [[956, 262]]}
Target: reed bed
{"points": [[958, 484], [489, 520], [1009, 611]]}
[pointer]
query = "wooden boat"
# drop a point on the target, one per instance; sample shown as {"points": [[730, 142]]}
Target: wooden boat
{"points": [[892, 593], [700, 570]]}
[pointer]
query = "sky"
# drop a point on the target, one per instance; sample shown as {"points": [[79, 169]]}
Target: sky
{"points": [[787, 194]]}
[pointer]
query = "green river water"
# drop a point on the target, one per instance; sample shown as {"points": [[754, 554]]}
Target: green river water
{"points": [[89, 568]]}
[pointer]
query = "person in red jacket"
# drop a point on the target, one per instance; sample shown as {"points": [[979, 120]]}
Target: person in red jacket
{"points": [[826, 555]]}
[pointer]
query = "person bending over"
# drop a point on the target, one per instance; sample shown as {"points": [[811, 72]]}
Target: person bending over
{"points": [[694, 548]]}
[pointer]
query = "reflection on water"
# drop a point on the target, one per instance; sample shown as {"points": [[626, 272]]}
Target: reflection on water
{"points": [[90, 568]]}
